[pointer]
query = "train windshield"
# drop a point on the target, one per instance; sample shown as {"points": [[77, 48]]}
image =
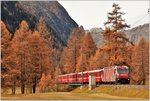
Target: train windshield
{"points": [[122, 71]]}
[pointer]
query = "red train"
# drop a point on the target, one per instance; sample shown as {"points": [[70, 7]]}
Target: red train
{"points": [[113, 74]]}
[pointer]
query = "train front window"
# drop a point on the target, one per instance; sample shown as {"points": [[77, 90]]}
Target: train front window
{"points": [[122, 71]]}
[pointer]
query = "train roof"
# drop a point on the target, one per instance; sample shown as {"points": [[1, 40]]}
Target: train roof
{"points": [[67, 74], [124, 66], [95, 71], [109, 67], [91, 71], [82, 72]]}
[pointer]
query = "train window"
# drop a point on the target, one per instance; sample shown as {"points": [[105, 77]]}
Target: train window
{"points": [[122, 71]]}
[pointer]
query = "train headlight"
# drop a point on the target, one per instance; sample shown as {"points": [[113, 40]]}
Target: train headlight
{"points": [[128, 79]]}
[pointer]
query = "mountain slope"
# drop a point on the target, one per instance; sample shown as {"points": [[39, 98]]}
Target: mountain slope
{"points": [[133, 34], [136, 33], [97, 35], [56, 17]]}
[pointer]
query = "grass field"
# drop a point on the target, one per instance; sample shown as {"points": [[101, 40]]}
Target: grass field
{"points": [[99, 93]]}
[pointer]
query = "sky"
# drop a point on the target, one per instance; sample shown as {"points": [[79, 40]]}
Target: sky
{"points": [[92, 14]]}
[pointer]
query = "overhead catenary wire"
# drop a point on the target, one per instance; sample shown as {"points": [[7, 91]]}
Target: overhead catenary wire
{"points": [[139, 20]]}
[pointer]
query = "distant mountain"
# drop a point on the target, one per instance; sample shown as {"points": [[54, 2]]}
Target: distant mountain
{"points": [[97, 35], [133, 34], [56, 17], [136, 33]]}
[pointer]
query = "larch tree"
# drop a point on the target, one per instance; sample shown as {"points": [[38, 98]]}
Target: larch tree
{"points": [[115, 39], [140, 63], [5, 42], [99, 60], [10, 70], [52, 43], [89, 49], [39, 59], [20, 42], [44, 82], [74, 45], [80, 67], [42, 29]]}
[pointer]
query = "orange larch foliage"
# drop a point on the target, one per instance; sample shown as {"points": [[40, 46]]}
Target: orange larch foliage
{"points": [[89, 49], [115, 39], [9, 61], [72, 50], [44, 82], [39, 59], [5, 43], [81, 62], [54, 46], [42, 29], [5, 39], [20, 43], [140, 63], [100, 59]]}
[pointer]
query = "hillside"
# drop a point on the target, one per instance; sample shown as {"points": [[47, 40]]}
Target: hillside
{"points": [[56, 17], [136, 33], [133, 34]]}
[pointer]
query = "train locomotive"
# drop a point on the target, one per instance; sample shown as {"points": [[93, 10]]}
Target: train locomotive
{"points": [[112, 74]]}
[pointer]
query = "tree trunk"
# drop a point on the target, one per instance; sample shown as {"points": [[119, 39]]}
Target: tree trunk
{"points": [[30, 88], [34, 85], [22, 86], [14, 88]]}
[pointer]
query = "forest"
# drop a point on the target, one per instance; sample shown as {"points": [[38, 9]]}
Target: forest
{"points": [[30, 59]]}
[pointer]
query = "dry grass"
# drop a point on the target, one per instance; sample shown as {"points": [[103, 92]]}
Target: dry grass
{"points": [[132, 91], [100, 93], [63, 96]]}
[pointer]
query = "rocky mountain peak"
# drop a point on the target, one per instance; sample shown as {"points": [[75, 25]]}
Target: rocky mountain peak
{"points": [[56, 17]]}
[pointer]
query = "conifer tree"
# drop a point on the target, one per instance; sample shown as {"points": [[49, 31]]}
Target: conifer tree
{"points": [[20, 41], [115, 39], [72, 50], [81, 62], [50, 40], [140, 63], [10, 70], [42, 29], [90, 48], [115, 20], [5, 42], [39, 59]]}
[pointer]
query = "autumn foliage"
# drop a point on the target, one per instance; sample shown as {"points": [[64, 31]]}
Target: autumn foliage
{"points": [[31, 59]]}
